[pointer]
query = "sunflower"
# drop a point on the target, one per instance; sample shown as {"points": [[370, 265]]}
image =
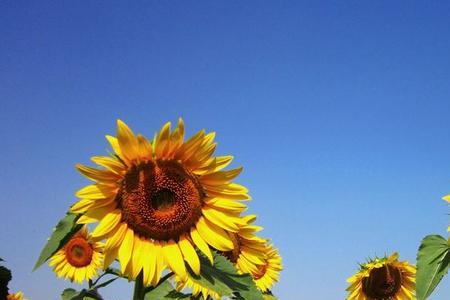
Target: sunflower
{"points": [[79, 259], [447, 198], [269, 272], [383, 279], [251, 254], [15, 296], [157, 201], [249, 250]]}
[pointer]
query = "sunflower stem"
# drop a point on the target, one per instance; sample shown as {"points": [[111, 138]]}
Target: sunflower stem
{"points": [[139, 290]]}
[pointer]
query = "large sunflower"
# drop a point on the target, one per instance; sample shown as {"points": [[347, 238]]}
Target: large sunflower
{"points": [[156, 201], [80, 259], [383, 279]]}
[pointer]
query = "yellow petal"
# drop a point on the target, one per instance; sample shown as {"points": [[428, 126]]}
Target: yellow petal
{"points": [[160, 262], [98, 175], [109, 257], [127, 141], [193, 143], [98, 203], [107, 224], [174, 258], [252, 255], [208, 139], [96, 191], [117, 237], [149, 262], [202, 156], [222, 220], [227, 191], [214, 165], [162, 140], [94, 215], [126, 249], [220, 177], [189, 254], [176, 139], [114, 144], [214, 235], [228, 205], [136, 259], [144, 148], [81, 206], [201, 244], [110, 163]]}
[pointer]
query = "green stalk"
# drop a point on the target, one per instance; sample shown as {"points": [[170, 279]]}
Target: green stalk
{"points": [[139, 291]]}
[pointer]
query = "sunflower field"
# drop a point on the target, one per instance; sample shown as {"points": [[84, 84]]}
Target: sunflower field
{"points": [[167, 216]]}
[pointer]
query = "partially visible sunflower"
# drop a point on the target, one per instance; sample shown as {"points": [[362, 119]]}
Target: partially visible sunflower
{"points": [[251, 254], [15, 296], [269, 272], [157, 201], [447, 198], [80, 259], [249, 250], [383, 279]]}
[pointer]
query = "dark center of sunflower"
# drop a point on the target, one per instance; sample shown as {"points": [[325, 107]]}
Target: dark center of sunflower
{"points": [[163, 200], [160, 200], [382, 283], [78, 252]]}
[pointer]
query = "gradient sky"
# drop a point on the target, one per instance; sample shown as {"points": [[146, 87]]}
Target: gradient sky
{"points": [[338, 111]]}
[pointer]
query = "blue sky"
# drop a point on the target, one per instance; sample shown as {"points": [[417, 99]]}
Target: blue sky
{"points": [[337, 111]]}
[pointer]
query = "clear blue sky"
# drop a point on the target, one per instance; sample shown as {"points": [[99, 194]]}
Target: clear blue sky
{"points": [[338, 111]]}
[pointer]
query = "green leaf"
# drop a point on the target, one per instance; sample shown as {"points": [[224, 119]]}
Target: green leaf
{"points": [[63, 231], [160, 292], [222, 278], [68, 294], [71, 294], [177, 295], [433, 262]]}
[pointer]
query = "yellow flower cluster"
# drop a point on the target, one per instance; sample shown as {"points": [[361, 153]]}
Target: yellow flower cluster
{"points": [[156, 203]]}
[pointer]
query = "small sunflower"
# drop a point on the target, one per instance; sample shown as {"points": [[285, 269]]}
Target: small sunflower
{"points": [[15, 296], [383, 279], [157, 201], [79, 259], [249, 250], [251, 254], [269, 272]]}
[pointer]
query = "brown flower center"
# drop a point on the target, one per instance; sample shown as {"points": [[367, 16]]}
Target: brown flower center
{"points": [[160, 200], [78, 252], [383, 283]]}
